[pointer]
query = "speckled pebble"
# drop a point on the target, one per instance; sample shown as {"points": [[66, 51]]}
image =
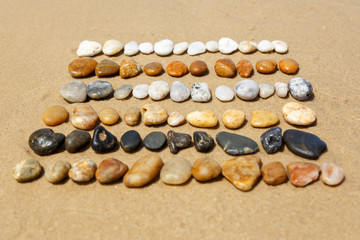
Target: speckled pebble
{"points": [[27, 170], [247, 89], [200, 92], [83, 170], [300, 88]]}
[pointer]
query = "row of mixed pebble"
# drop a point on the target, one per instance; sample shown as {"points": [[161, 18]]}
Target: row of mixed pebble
{"points": [[166, 47], [128, 68]]}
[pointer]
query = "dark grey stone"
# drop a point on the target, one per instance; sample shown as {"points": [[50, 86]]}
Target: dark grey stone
{"points": [[177, 141], [234, 144], [272, 140], [76, 140], [130, 141], [154, 141], [203, 142], [99, 90], [45, 142]]}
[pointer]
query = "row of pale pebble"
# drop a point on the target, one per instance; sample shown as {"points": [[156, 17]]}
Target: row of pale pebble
{"points": [[166, 47]]}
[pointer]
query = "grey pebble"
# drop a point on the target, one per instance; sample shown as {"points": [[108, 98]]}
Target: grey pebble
{"points": [[74, 91], [99, 90], [300, 88], [247, 89], [179, 92], [123, 91]]}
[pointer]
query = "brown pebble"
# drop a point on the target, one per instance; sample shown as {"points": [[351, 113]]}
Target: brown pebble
{"points": [[55, 115], [132, 116], [177, 69], [110, 170], [129, 68], [198, 68], [266, 66], [109, 116], [153, 69], [302, 174], [225, 68], [244, 68], [274, 173], [205, 169], [106, 68], [82, 67], [288, 66]]}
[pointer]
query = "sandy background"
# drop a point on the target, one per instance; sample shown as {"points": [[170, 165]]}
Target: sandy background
{"points": [[38, 41]]}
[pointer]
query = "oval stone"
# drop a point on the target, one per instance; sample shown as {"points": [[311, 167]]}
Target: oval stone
{"points": [[247, 46], [130, 141], [212, 46], [300, 88], [132, 116], [298, 114], [227, 45], [281, 89], [177, 171], [177, 141], [179, 92], [266, 90], [107, 68], [302, 174], [88, 48], [205, 118], [225, 68], [27, 170], [200, 92], [175, 119], [55, 115], [57, 171], [82, 67], [76, 140], [244, 68], [153, 69], [163, 47], [196, 48], [280, 46], [45, 142], [235, 144], [288, 66], [198, 68], [109, 116], [155, 141], [153, 114], [265, 46], [112, 47], [131, 48], [103, 141], [224, 93], [129, 68], [146, 47], [141, 91], [110, 170], [74, 92], [159, 90], [180, 48], [332, 174], [99, 90], [274, 173], [247, 89], [123, 91], [177, 69], [233, 119], [262, 118], [84, 117], [83, 170], [206, 169], [266, 66]]}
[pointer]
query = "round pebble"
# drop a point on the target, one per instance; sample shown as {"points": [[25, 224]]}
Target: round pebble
{"points": [[77, 140], [141, 91], [212, 46], [247, 89], [280, 46], [179, 92], [110, 170], [153, 69], [27, 170], [233, 119], [200, 92], [109, 116], [332, 174], [153, 114], [146, 48], [180, 48], [83, 170], [103, 141], [198, 68], [177, 69], [57, 171], [130, 141], [244, 68], [247, 46], [265, 46], [203, 142], [123, 91], [225, 68], [154, 141], [205, 169], [266, 66], [45, 142], [196, 48], [300, 88], [88, 48], [302, 174], [129, 68], [132, 116], [163, 47], [177, 141], [274, 173], [131, 48], [227, 45], [288, 66], [175, 119], [262, 118], [55, 115], [224, 93], [159, 90], [205, 118], [177, 171], [74, 91], [281, 89], [298, 114], [84, 117], [82, 67], [107, 68], [112, 47], [99, 90], [266, 90]]}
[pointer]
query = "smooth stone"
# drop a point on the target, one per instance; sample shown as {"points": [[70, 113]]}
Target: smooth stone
{"points": [[247, 46], [198, 68], [143, 171], [234, 144], [243, 172], [203, 142], [175, 119], [266, 66], [76, 140], [99, 90], [224, 93], [27, 170], [163, 47], [225, 68], [177, 141], [179, 92], [123, 91], [177, 69], [109, 116], [45, 142], [200, 92], [153, 114], [280, 46], [74, 91], [180, 48], [141, 91], [129, 68], [302, 174], [83, 170], [205, 169], [227, 45], [153, 69], [262, 118], [82, 67], [131, 48], [266, 90], [132, 116], [55, 115], [84, 117], [158, 90], [103, 141], [332, 174], [281, 89], [196, 48], [130, 141], [247, 89], [274, 173], [288, 66], [212, 46], [271, 140], [298, 114], [300, 88], [112, 47], [110, 170], [304, 144], [154, 141], [233, 119], [107, 68], [244, 68], [265, 46], [57, 171], [88, 48], [176, 171], [205, 119], [146, 48]]}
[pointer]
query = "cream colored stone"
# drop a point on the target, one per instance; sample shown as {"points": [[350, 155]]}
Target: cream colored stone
{"points": [[280, 46], [175, 119], [205, 169], [233, 119], [26, 170], [332, 174], [262, 118], [132, 116], [112, 47], [88, 48], [84, 117], [205, 118], [298, 114], [281, 89], [57, 171], [153, 114], [176, 171], [247, 46], [83, 170]]}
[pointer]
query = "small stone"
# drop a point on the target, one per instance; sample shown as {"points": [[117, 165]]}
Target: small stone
{"points": [[179, 92], [233, 119], [107, 68], [130, 141], [27, 170], [265, 46], [234, 144], [153, 69], [83, 170], [298, 114], [262, 118], [243, 172], [200, 92], [84, 117], [45, 142], [112, 47], [247, 89], [88, 48], [280, 46], [212, 46], [76, 140], [300, 88], [163, 47], [206, 119], [158, 90], [55, 115], [266, 90], [304, 144], [274, 173], [332, 174], [131, 48], [103, 141], [206, 169], [110, 170], [247, 46], [177, 69], [141, 91], [99, 90], [266, 66], [177, 141], [155, 141], [281, 89], [177, 171], [74, 91], [153, 114], [132, 116], [180, 48], [244, 68], [82, 67], [123, 91], [57, 171], [198, 68], [224, 93], [302, 174], [227, 45], [109, 116], [175, 119], [271, 140], [288, 66], [146, 48], [143, 171], [196, 48], [203, 142], [129, 68], [225, 68]]}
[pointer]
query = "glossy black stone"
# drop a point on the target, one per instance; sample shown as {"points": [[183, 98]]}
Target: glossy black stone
{"points": [[177, 141], [76, 140], [103, 141], [304, 144], [271, 140], [203, 142], [234, 144], [45, 142], [130, 141], [154, 141]]}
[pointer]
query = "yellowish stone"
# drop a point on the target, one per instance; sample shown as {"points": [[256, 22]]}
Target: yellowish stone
{"points": [[205, 169], [132, 116], [262, 118], [175, 119], [298, 114], [205, 118], [55, 115], [233, 119], [153, 114], [84, 117], [109, 116], [83, 170], [57, 171]]}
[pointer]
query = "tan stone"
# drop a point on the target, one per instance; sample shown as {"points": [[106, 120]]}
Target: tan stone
{"points": [[266, 66], [175, 119], [83, 170], [302, 174], [132, 116], [129, 68], [177, 69], [84, 117], [198, 68], [109, 116], [82, 67], [332, 174], [205, 118], [153, 114], [288, 66], [205, 169], [176, 171], [274, 173], [106, 68], [27, 170], [57, 171], [233, 119], [244, 68], [110, 170], [298, 114], [55, 115], [153, 69], [225, 68], [262, 118]]}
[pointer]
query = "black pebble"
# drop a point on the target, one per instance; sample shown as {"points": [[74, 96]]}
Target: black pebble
{"points": [[44, 141], [272, 140], [234, 144], [178, 141], [154, 141], [203, 142], [76, 140], [103, 141], [130, 141]]}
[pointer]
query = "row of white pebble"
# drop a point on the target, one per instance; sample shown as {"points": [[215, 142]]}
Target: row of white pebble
{"points": [[165, 47]]}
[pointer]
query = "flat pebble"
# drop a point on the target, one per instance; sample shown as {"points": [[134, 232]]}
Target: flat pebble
{"points": [[45, 142], [146, 48], [141, 91], [200, 92], [280, 46], [300, 88], [107, 68], [225, 68], [179, 92], [274, 173], [77, 140], [176, 171], [131, 48], [298, 114], [196, 48], [110, 170], [206, 169], [204, 118], [227, 45], [153, 69], [177, 69], [154, 141], [265, 46], [88, 48], [130, 141], [332, 174], [123, 91], [112, 47], [271, 140], [55, 115], [302, 174], [163, 47], [132, 116], [244, 68], [84, 117], [266, 66], [158, 90], [57, 171], [109, 116], [288, 66], [177, 141], [198, 68], [129, 68], [82, 67], [27, 170], [247, 46], [175, 119], [262, 118], [212, 46], [224, 93], [180, 48], [83, 170], [247, 89], [103, 141], [281, 89], [203, 142], [233, 119], [266, 90], [235, 144], [99, 90], [153, 114], [74, 91]]}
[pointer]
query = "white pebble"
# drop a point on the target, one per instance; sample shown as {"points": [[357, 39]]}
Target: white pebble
{"points": [[180, 48], [159, 90], [227, 45], [131, 48], [196, 48], [88, 48], [179, 92], [212, 46], [280, 46], [163, 47], [112, 47], [266, 90], [141, 91], [281, 89], [247, 46], [265, 46], [175, 119], [224, 93], [200, 92], [247, 89], [146, 48]]}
